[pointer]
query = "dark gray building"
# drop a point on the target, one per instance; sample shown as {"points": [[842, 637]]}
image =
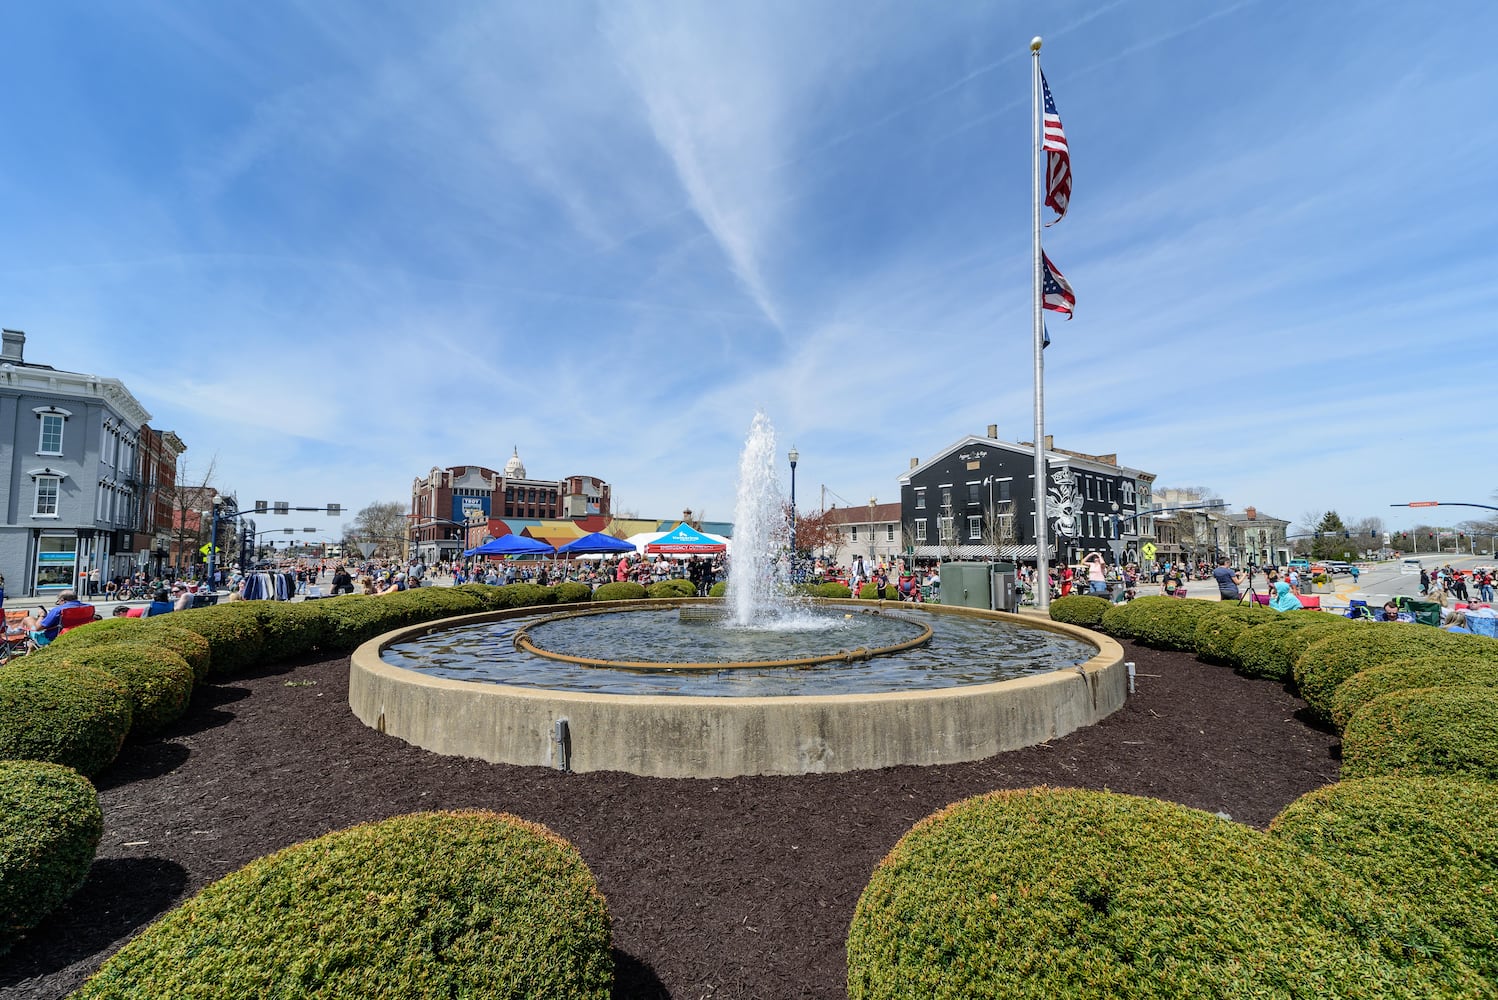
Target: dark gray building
{"points": [[975, 499]]}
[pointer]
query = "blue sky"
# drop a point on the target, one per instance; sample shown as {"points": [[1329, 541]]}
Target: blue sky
{"points": [[336, 244]]}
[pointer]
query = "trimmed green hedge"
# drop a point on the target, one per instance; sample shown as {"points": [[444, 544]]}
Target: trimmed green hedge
{"points": [[159, 631], [1171, 624], [51, 711], [233, 633], [1271, 649], [1404, 675], [1428, 843], [622, 591], [50, 825], [869, 592], [1217, 630], [1068, 893], [436, 904], [1118, 621], [159, 681], [573, 593], [1324, 665], [1080, 609], [525, 595], [1436, 731], [719, 589], [671, 588], [833, 591]]}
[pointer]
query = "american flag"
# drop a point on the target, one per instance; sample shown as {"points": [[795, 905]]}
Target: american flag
{"points": [[1057, 293], [1057, 159]]}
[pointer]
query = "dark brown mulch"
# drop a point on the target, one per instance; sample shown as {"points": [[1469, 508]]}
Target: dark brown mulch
{"points": [[718, 888]]}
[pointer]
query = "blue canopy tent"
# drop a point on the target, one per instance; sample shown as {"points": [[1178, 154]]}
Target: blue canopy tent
{"points": [[595, 544], [511, 545], [685, 540]]}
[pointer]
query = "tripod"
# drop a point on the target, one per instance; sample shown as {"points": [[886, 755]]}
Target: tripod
{"points": [[1248, 590]]}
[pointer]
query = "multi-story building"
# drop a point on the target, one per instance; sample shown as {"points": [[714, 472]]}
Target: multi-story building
{"points": [[447, 502], [70, 462], [975, 499], [159, 451], [872, 531]]}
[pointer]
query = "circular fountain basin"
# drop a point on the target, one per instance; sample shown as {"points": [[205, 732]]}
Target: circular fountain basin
{"points": [[753, 720]]}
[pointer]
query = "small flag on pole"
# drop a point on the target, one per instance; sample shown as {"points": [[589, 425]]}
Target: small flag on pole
{"points": [[1046, 342], [1056, 289], [1057, 158]]}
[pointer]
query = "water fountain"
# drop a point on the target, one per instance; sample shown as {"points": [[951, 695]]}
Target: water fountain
{"points": [[768, 684]]}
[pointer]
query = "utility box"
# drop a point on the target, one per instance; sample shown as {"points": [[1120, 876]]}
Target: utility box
{"points": [[988, 585]]}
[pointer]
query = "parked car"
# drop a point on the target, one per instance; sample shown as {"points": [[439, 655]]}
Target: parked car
{"points": [[1304, 565], [1335, 566]]}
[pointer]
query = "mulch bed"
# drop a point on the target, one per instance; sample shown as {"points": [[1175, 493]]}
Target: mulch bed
{"points": [[730, 888]]}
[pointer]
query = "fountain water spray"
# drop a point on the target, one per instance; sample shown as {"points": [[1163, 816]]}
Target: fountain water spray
{"points": [[760, 531]]}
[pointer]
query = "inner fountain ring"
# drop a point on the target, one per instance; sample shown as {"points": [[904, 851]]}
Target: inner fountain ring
{"points": [[525, 643]]}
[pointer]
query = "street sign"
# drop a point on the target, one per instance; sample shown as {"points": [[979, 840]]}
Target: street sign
{"points": [[1148, 551], [366, 548], [1426, 503]]}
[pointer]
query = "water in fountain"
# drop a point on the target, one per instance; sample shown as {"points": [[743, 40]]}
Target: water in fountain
{"points": [[756, 585]]}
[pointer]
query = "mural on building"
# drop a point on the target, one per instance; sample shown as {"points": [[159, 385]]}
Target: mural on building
{"points": [[1063, 505]]}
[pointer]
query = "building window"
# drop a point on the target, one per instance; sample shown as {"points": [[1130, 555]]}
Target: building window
{"points": [[855, 532], [946, 499], [920, 530], [51, 436], [973, 495], [46, 495], [945, 527], [889, 532], [920, 499], [974, 528], [1004, 485]]}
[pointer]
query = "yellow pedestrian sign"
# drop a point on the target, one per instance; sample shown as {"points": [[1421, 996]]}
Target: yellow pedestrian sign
{"points": [[1148, 551], [207, 549]]}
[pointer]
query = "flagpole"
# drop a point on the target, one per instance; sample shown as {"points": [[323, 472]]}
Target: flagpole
{"points": [[1042, 562]]}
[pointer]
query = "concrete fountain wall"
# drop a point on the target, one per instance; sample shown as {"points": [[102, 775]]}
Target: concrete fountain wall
{"points": [[720, 737]]}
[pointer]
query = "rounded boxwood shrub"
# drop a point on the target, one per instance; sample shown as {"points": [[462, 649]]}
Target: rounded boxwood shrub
{"points": [[1170, 625], [1072, 893], [468, 904], [488, 596], [189, 645], [525, 595], [75, 716], [834, 591], [1429, 843], [624, 591], [1324, 665], [573, 593], [719, 589], [159, 681], [50, 826], [1217, 630], [1438, 731], [869, 592], [1080, 609], [1404, 675], [289, 630], [1118, 621], [671, 588], [232, 630], [1270, 650]]}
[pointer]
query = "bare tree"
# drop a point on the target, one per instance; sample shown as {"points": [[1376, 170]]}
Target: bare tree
{"points": [[190, 498], [382, 523]]}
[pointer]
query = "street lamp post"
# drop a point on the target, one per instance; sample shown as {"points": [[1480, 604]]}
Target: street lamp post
{"points": [[794, 456], [872, 502]]}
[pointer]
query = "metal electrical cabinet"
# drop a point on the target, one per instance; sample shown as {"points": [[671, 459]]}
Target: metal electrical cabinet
{"points": [[988, 585]]}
